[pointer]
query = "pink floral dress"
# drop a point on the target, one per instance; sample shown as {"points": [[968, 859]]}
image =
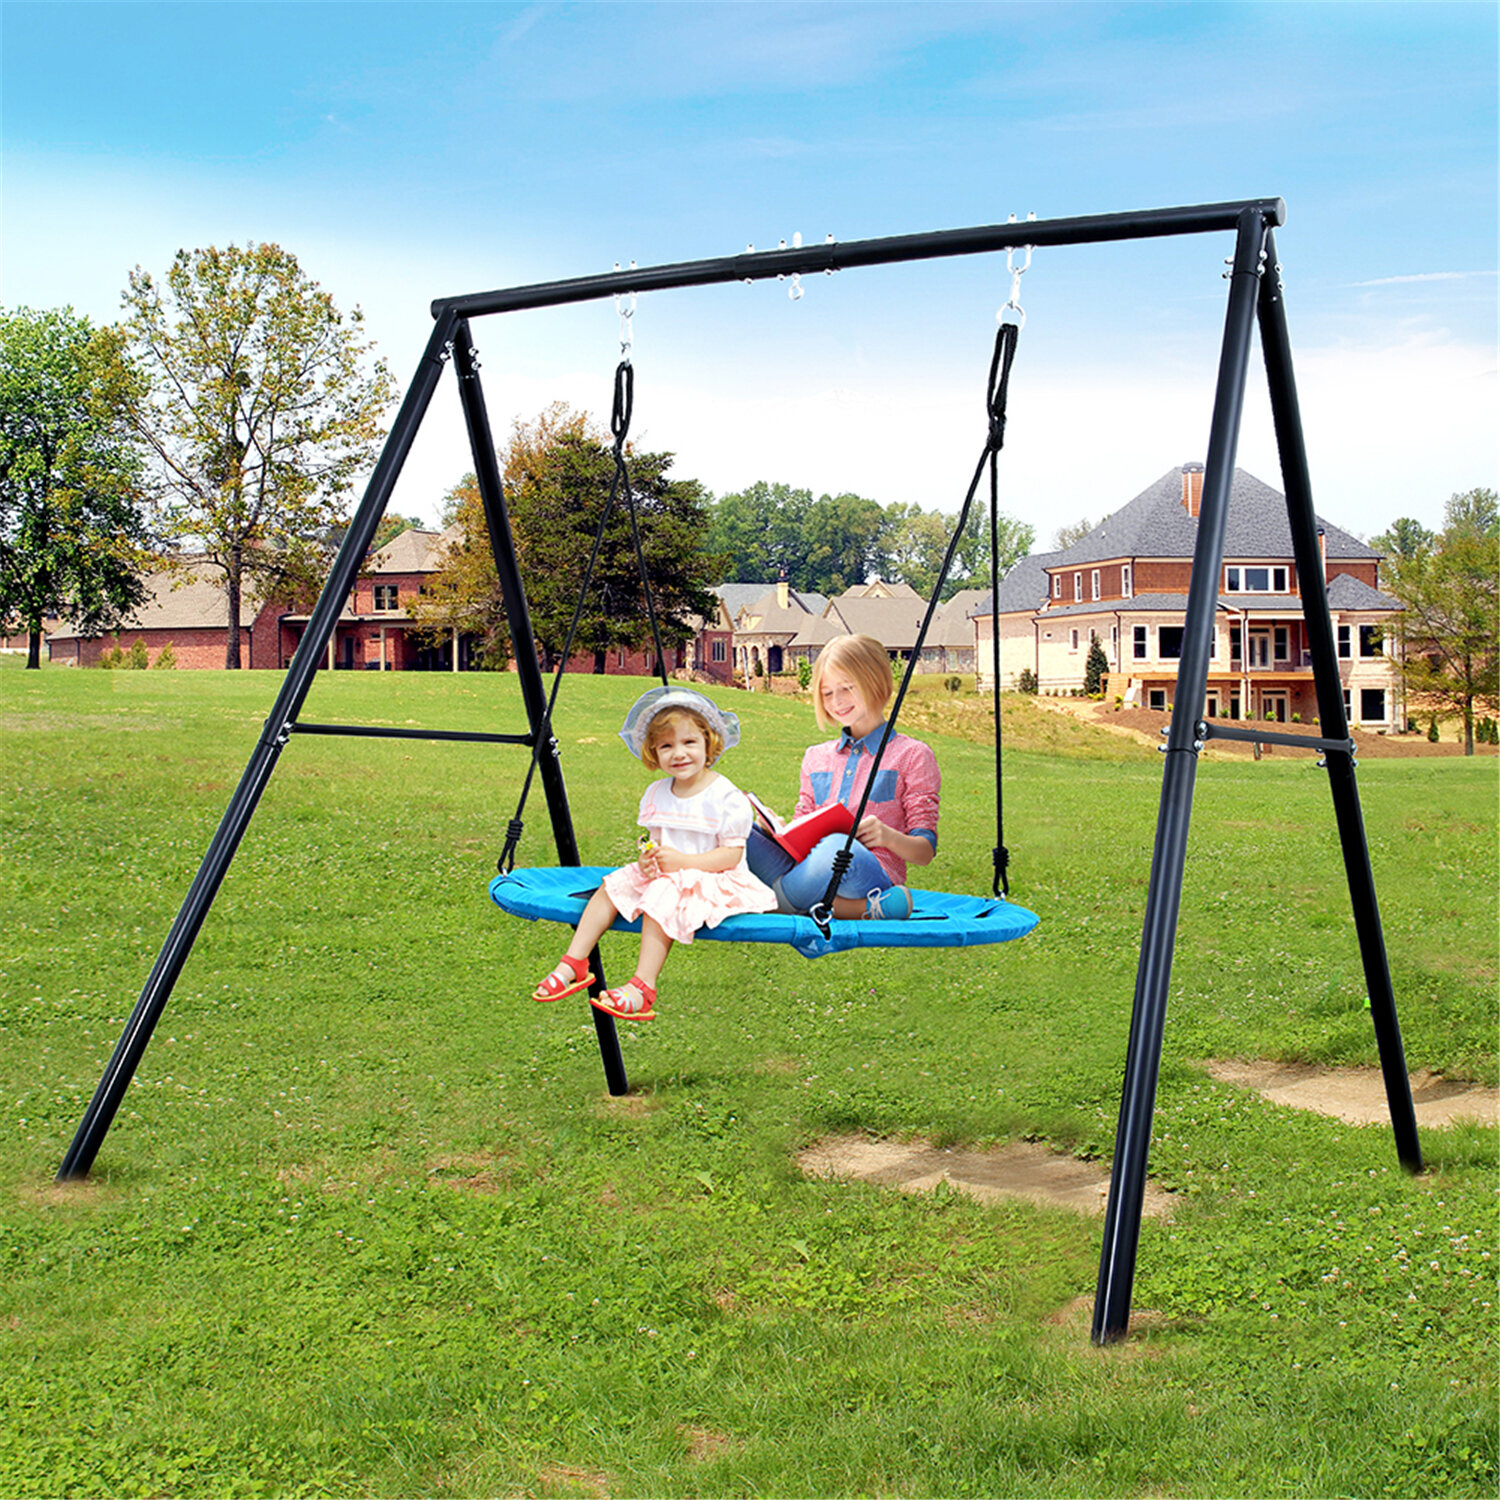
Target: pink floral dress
{"points": [[682, 901]]}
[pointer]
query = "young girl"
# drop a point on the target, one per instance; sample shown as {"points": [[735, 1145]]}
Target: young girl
{"points": [[851, 685], [691, 872]]}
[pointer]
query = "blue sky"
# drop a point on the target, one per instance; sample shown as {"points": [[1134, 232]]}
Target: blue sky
{"points": [[410, 151]]}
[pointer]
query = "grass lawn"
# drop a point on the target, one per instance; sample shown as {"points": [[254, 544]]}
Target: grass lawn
{"points": [[368, 1223]]}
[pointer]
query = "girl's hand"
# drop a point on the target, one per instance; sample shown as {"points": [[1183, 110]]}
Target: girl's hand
{"points": [[668, 860], [872, 833], [648, 863]]}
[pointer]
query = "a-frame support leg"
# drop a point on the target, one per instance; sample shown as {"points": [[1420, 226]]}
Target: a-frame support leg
{"points": [[311, 651], [533, 690], [1335, 724], [1256, 290], [1127, 1188]]}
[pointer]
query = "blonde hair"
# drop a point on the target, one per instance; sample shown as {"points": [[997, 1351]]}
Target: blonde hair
{"points": [[864, 661], [656, 732]]}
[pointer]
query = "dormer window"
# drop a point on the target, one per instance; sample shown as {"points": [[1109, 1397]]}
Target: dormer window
{"points": [[1240, 580], [1078, 588], [1057, 585], [1126, 585]]}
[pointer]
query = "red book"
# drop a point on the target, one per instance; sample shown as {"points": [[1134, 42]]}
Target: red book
{"points": [[799, 836]]}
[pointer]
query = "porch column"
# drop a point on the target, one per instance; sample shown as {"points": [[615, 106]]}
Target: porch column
{"points": [[455, 648]]}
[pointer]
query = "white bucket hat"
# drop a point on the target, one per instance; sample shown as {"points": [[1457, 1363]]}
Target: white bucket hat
{"points": [[649, 704]]}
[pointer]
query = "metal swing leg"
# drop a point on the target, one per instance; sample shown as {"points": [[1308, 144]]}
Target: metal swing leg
{"points": [[1339, 759], [280, 723], [1127, 1188], [528, 669]]}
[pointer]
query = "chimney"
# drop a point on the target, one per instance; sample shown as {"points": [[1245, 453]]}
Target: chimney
{"points": [[1323, 553], [783, 600], [1192, 489]]}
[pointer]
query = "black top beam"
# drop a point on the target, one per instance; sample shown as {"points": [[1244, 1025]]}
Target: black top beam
{"points": [[761, 265]]}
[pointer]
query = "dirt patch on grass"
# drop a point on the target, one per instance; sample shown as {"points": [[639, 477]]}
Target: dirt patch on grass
{"points": [[1357, 1095], [1021, 1169]]}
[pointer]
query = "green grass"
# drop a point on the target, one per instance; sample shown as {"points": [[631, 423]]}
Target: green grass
{"points": [[367, 1223]]}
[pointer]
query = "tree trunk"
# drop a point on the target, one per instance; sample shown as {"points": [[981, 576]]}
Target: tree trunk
{"points": [[34, 648], [232, 638]]}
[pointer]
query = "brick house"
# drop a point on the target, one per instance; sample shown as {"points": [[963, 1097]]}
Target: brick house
{"points": [[1125, 584]]}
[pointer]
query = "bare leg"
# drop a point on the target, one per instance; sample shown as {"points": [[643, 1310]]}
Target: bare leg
{"points": [[593, 924], [655, 945]]}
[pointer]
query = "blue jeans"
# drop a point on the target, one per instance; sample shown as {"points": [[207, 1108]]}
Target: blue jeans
{"points": [[801, 886]]}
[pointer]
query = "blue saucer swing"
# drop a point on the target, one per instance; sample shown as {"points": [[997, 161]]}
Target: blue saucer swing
{"points": [[938, 919]]}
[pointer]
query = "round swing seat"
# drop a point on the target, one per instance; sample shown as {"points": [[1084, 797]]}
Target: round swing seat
{"points": [[938, 919]]}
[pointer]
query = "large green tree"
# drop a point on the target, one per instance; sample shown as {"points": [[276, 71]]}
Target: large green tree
{"points": [[73, 533], [558, 469], [264, 405], [836, 541], [1448, 630]]}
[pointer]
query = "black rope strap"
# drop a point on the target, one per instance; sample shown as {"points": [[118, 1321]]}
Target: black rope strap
{"points": [[619, 425], [997, 394]]}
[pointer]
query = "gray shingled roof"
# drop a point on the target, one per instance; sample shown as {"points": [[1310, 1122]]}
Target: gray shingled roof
{"points": [[1345, 592], [1155, 524]]}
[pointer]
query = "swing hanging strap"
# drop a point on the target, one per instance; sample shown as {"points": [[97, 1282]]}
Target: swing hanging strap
{"points": [[622, 409], [997, 394]]}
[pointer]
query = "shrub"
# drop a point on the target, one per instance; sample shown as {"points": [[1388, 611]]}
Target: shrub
{"points": [[953, 682], [1026, 682], [1432, 730], [1094, 669], [166, 659], [112, 658], [140, 657], [804, 673]]}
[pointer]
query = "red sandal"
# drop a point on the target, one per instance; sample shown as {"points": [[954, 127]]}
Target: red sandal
{"points": [[556, 985], [634, 1001]]}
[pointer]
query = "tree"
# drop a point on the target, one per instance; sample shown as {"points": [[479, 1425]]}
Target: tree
{"points": [[73, 535], [1065, 536], [1094, 669], [1405, 539], [557, 472], [1448, 630], [917, 542], [261, 411], [760, 531]]}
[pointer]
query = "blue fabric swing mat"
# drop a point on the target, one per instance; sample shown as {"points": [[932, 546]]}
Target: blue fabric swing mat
{"points": [[938, 920]]}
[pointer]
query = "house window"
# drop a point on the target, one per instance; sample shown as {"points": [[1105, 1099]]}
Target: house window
{"points": [[1073, 640], [1280, 643], [1057, 585], [717, 651], [1235, 648], [1372, 705], [1344, 641], [1094, 583], [1125, 582], [385, 596], [1254, 580], [1114, 643], [1169, 642], [1211, 706], [1138, 642], [1260, 650], [1370, 641], [1156, 699], [1078, 588]]}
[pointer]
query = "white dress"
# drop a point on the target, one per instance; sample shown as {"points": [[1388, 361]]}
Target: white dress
{"points": [[682, 901]]}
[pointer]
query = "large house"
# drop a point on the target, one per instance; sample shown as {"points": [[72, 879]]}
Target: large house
{"points": [[1125, 584], [782, 626], [187, 610]]}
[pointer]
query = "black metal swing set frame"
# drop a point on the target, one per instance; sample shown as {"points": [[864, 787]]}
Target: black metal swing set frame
{"points": [[1256, 296]]}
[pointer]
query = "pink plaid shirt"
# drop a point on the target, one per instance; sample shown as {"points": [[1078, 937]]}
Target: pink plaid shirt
{"points": [[906, 791]]}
